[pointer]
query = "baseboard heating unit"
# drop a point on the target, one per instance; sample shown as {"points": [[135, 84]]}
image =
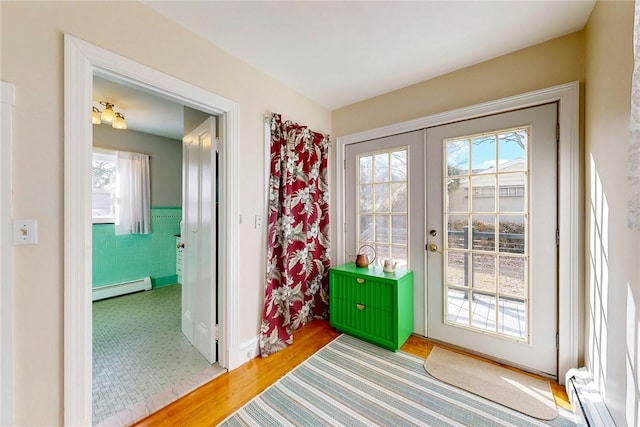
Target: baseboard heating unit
{"points": [[122, 288], [589, 408]]}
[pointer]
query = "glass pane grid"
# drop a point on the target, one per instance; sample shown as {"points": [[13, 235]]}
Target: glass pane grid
{"points": [[383, 204], [486, 252]]}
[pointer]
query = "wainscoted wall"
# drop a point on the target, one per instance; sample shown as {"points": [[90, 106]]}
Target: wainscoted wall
{"points": [[121, 258]]}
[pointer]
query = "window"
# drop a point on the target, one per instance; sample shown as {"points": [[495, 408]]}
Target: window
{"points": [[104, 186], [383, 208], [487, 216]]}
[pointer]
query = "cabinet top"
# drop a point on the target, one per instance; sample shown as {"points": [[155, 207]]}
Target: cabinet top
{"points": [[373, 271]]}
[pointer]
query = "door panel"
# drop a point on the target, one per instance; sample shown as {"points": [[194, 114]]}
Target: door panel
{"points": [[492, 203], [198, 232], [383, 176]]}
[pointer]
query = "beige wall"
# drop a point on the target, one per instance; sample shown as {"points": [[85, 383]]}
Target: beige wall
{"points": [[613, 250], [32, 59], [548, 64]]}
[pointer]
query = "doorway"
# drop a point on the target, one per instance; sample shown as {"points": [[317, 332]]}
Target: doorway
{"points": [[82, 61], [138, 335], [568, 234]]}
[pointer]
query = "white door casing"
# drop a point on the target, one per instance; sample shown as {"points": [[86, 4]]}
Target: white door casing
{"points": [[7, 92], [569, 186], [520, 331], [82, 61], [198, 235]]}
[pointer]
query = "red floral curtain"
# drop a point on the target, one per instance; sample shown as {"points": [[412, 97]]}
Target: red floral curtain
{"points": [[296, 290]]}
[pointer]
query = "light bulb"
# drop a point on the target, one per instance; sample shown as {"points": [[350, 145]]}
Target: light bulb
{"points": [[118, 122], [95, 116], [108, 115]]}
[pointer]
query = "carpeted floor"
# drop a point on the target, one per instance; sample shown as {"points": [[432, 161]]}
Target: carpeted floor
{"points": [[350, 382], [139, 349]]}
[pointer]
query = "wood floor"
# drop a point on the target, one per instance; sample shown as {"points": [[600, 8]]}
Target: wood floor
{"points": [[213, 402]]}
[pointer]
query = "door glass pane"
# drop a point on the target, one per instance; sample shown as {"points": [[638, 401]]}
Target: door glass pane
{"points": [[384, 204], [366, 170], [483, 307], [483, 154], [512, 234], [457, 157], [381, 167], [382, 229], [484, 272], [483, 232], [366, 198], [511, 276], [381, 198], [399, 197], [458, 226], [457, 269], [399, 230], [512, 150], [511, 192], [399, 166], [485, 193]]}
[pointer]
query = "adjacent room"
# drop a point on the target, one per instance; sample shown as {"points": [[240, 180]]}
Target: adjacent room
{"points": [[140, 353]]}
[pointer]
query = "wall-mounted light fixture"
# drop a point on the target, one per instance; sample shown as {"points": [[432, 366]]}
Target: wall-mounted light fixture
{"points": [[108, 116]]}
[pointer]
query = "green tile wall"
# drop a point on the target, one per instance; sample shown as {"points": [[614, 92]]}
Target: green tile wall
{"points": [[121, 258]]}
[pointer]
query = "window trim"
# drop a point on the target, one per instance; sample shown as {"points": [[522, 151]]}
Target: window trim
{"points": [[106, 155]]}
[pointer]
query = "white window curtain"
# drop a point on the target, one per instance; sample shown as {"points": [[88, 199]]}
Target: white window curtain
{"points": [[133, 206], [633, 179]]}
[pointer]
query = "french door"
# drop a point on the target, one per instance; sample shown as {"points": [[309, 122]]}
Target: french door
{"points": [[383, 176], [471, 208], [492, 221]]}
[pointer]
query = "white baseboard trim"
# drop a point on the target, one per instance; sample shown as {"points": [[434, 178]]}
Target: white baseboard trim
{"points": [[249, 349]]}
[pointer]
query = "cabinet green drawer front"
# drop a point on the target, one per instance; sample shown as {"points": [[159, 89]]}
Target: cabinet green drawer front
{"points": [[363, 290], [366, 320]]}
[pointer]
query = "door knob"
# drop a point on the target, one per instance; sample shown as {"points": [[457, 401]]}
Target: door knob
{"points": [[434, 248], [180, 245]]}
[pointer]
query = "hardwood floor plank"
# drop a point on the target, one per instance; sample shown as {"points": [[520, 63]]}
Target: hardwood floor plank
{"points": [[213, 402]]}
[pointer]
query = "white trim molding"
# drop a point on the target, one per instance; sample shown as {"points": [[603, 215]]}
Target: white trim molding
{"points": [[82, 61], [569, 219], [7, 93]]}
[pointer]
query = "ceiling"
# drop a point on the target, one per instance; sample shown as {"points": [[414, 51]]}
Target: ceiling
{"points": [[340, 52]]}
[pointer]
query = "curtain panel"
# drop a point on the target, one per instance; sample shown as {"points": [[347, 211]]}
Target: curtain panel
{"points": [[133, 194], [298, 258]]}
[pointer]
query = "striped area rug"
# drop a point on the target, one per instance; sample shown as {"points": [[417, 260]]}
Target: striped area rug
{"points": [[352, 383]]}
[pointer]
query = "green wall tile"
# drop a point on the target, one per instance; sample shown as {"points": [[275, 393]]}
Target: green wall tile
{"points": [[129, 257]]}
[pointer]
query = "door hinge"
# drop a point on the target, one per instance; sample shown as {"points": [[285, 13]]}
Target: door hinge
{"points": [[557, 237], [557, 341], [216, 332], [344, 164], [557, 132]]}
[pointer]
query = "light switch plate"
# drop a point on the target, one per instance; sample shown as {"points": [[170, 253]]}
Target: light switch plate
{"points": [[25, 232]]}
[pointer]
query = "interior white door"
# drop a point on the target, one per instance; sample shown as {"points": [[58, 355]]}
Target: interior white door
{"points": [[492, 216], [384, 202], [198, 234]]}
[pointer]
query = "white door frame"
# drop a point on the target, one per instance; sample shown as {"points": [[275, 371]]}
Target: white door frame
{"points": [[7, 92], [82, 61], [569, 214]]}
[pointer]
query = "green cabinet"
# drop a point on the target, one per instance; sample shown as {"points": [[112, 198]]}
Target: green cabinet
{"points": [[372, 304]]}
